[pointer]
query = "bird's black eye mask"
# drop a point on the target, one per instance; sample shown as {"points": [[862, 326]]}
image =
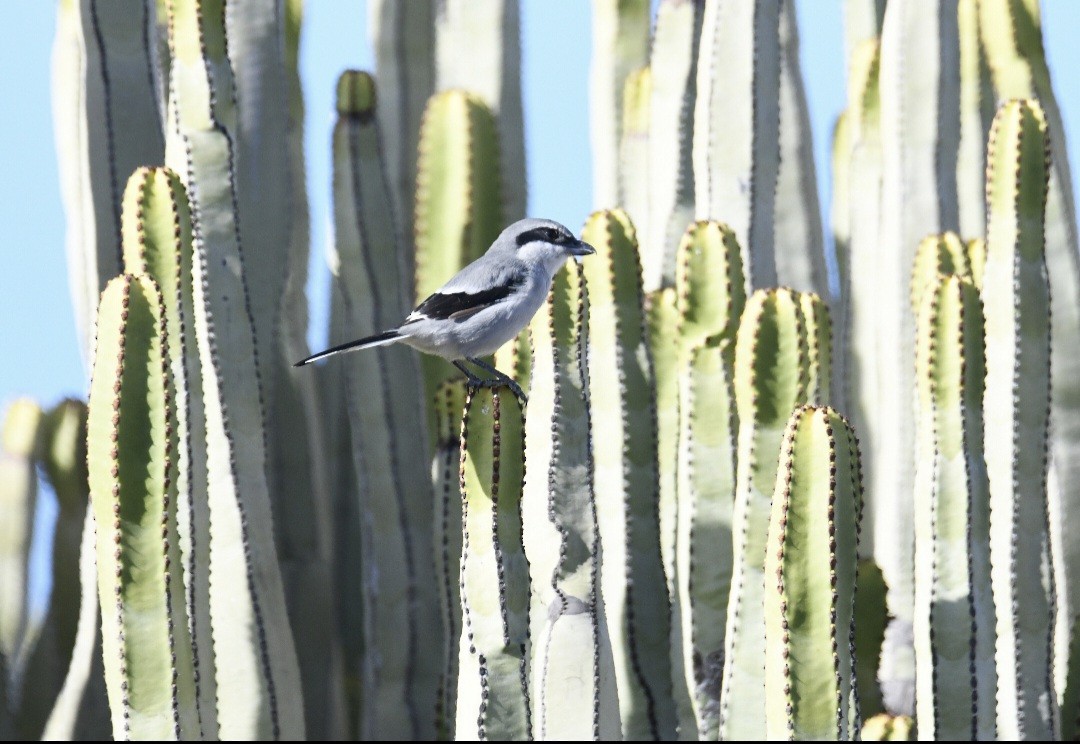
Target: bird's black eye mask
{"points": [[544, 234]]}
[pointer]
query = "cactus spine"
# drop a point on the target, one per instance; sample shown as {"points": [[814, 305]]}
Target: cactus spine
{"points": [[771, 354], [954, 607], [810, 568], [493, 683], [621, 394], [1018, 327]]}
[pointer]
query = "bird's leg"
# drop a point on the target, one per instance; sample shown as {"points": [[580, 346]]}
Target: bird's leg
{"points": [[473, 379], [500, 377]]}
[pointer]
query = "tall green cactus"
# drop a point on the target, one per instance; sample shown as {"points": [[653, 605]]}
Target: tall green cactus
{"points": [[131, 444], [810, 569], [157, 241], [736, 126], [620, 45], [19, 440], [954, 607], [634, 182], [104, 90], [446, 477], [711, 292], [62, 454], [936, 255], [1012, 39], [493, 683], [1016, 295], [920, 120], [675, 49], [622, 396], [572, 698], [458, 206], [388, 432], [771, 378], [478, 48], [257, 675]]}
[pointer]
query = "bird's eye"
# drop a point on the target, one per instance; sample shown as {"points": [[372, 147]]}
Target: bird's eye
{"points": [[552, 235]]}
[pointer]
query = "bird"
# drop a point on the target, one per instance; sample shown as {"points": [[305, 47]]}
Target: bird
{"points": [[484, 305]]}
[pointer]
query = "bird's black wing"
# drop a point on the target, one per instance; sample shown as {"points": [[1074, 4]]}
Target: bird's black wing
{"points": [[459, 305]]}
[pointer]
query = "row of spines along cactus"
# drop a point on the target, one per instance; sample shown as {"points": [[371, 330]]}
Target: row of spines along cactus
{"points": [[673, 539]]}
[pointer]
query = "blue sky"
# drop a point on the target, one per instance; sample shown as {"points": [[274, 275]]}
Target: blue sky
{"points": [[37, 331]]}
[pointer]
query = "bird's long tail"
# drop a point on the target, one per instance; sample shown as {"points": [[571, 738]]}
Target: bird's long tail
{"points": [[379, 339]]}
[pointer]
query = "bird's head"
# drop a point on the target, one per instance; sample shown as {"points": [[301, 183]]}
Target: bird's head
{"points": [[543, 241]]}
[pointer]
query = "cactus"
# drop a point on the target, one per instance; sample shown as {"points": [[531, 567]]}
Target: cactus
{"points": [[620, 45], [493, 684], [885, 727], [809, 607], [1012, 40], [634, 147], [976, 253], [257, 675], [1018, 330], [478, 48], [103, 92], [870, 621], [862, 21], [625, 478], [920, 120], [675, 48], [131, 442], [62, 454], [954, 606], [976, 112], [771, 354], [819, 344], [446, 476], [18, 497], [387, 422], [458, 208], [711, 292], [573, 699], [800, 250], [936, 255], [736, 148]]}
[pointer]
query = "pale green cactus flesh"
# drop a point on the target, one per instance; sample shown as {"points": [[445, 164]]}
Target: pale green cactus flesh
{"points": [[620, 45], [663, 324], [819, 346], [403, 38], [886, 727], [493, 685], [710, 294], [573, 698], [458, 208], [625, 478], [954, 606], [634, 181], [936, 255], [446, 478], [810, 569], [62, 454], [388, 433], [800, 249], [1012, 39], [257, 675], [976, 112], [157, 241], [131, 442], [920, 136], [19, 440], [1016, 296], [840, 224], [736, 150], [976, 253], [478, 48], [675, 48], [103, 90], [870, 620], [860, 336], [862, 21], [771, 354]]}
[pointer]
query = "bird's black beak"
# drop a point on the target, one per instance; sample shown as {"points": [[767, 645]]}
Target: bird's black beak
{"points": [[582, 249]]}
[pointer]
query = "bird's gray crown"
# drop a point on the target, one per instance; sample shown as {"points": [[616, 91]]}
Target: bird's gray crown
{"points": [[531, 229]]}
